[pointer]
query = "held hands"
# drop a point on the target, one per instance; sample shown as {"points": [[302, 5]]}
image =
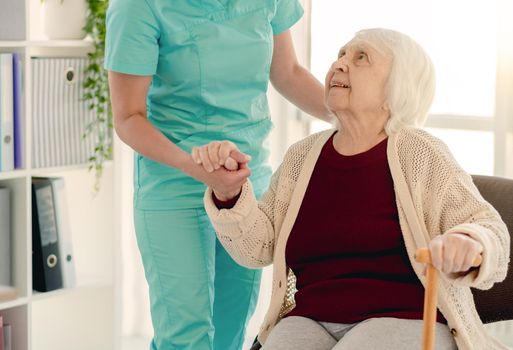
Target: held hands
{"points": [[454, 252], [227, 166]]}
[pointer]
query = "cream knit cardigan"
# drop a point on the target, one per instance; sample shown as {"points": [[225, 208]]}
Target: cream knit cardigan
{"points": [[434, 196]]}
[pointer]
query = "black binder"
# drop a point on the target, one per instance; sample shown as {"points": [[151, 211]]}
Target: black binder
{"points": [[46, 271]]}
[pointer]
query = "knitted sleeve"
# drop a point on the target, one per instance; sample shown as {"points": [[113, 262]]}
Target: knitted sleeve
{"points": [[249, 230], [463, 209], [246, 231], [449, 201]]}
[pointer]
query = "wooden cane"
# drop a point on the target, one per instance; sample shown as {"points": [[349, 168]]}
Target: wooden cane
{"points": [[430, 297]]}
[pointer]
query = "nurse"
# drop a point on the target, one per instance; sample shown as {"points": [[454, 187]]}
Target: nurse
{"points": [[184, 73]]}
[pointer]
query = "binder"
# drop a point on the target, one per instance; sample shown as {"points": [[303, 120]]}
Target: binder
{"points": [[46, 259], [7, 337], [17, 112], [2, 333], [5, 237], [60, 114], [64, 233], [6, 113]]}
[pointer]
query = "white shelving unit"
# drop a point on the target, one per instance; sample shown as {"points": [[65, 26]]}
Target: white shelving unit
{"points": [[84, 317]]}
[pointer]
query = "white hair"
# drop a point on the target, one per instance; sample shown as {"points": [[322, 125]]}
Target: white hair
{"points": [[410, 87]]}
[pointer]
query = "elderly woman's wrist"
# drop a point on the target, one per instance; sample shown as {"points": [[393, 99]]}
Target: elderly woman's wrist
{"points": [[226, 196]]}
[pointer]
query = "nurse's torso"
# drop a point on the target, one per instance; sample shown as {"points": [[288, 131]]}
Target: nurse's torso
{"points": [[211, 83]]}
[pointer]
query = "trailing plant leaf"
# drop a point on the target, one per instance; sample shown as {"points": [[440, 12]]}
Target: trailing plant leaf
{"points": [[96, 90]]}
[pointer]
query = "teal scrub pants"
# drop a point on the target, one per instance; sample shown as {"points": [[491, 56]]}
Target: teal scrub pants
{"points": [[200, 298]]}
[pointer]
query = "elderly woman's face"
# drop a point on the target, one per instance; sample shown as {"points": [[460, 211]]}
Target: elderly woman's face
{"points": [[355, 82]]}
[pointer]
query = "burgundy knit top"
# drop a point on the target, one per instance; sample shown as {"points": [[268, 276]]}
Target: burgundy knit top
{"points": [[346, 247]]}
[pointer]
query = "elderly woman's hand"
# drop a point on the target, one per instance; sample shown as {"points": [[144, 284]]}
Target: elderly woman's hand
{"points": [[454, 252], [217, 154], [221, 158]]}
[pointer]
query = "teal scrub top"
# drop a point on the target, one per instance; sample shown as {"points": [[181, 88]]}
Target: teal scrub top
{"points": [[210, 62]]}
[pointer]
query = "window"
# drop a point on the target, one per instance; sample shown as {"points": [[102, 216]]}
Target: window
{"points": [[470, 45]]}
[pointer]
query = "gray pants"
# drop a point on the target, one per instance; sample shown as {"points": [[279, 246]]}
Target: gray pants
{"points": [[301, 333]]}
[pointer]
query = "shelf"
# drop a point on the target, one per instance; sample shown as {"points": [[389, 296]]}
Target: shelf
{"points": [[13, 303], [57, 319], [85, 43], [62, 169], [58, 169], [89, 283], [12, 43], [15, 174]]}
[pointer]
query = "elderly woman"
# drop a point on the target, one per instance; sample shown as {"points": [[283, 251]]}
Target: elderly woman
{"points": [[348, 207]]}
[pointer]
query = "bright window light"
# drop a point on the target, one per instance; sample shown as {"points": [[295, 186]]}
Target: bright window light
{"points": [[459, 35], [473, 150]]}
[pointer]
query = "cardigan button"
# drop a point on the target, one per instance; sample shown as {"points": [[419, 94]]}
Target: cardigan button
{"points": [[279, 285], [454, 332]]}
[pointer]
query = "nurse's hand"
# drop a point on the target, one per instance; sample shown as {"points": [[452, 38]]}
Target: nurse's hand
{"points": [[218, 154], [454, 252], [224, 168]]}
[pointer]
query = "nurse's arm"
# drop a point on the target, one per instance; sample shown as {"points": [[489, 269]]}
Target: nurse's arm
{"points": [[294, 81], [128, 100]]}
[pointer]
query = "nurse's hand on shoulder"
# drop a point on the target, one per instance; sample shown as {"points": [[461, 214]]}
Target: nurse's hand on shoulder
{"points": [[454, 252], [226, 168]]}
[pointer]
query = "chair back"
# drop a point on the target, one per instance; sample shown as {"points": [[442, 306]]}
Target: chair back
{"points": [[496, 304]]}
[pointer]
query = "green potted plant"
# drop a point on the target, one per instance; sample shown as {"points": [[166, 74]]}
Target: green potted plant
{"points": [[96, 89]]}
